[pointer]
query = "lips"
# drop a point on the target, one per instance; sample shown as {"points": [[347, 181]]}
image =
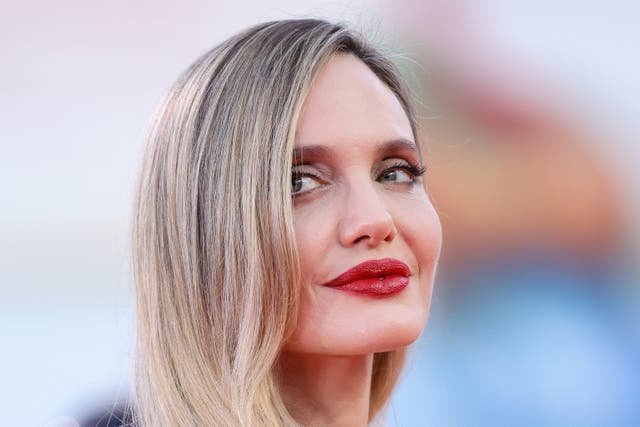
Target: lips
{"points": [[376, 278]]}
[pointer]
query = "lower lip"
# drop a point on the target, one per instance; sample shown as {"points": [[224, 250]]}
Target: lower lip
{"points": [[376, 286]]}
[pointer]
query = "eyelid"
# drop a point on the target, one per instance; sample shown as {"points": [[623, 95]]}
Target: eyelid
{"points": [[311, 168], [416, 168], [298, 174]]}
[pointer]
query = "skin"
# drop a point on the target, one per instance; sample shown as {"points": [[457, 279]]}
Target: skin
{"points": [[356, 199]]}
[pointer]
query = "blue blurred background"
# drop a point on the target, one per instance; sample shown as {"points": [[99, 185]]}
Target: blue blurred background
{"points": [[530, 110]]}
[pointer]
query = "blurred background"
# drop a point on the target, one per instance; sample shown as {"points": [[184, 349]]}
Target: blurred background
{"points": [[530, 116]]}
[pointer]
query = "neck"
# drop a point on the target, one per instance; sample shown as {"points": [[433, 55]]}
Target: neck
{"points": [[323, 390]]}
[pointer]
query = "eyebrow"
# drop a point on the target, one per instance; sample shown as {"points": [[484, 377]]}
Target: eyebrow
{"points": [[312, 152], [398, 145]]}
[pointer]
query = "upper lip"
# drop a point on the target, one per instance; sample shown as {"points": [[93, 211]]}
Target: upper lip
{"points": [[371, 269]]}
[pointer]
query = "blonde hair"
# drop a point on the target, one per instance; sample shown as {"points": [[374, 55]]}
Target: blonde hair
{"points": [[215, 261]]}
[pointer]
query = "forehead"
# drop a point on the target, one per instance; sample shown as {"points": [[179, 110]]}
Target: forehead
{"points": [[348, 103]]}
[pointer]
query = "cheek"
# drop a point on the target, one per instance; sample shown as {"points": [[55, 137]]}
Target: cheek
{"points": [[315, 236], [419, 225], [315, 233]]}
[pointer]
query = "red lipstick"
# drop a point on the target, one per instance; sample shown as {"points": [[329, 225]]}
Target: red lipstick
{"points": [[376, 278]]}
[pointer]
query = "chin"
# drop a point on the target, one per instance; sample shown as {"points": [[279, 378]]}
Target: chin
{"points": [[377, 332], [392, 333]]}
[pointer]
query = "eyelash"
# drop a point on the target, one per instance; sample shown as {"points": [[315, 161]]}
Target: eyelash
{"points": [[414, 170]]}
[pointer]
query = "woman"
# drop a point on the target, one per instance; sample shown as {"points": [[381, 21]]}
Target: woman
{"points": [[284, 243]]}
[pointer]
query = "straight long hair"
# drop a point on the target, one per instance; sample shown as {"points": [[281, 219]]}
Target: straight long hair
{"points": [[215, 262]]}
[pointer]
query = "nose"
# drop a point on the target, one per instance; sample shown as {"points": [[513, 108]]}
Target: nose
{"points": [[366, 219]]}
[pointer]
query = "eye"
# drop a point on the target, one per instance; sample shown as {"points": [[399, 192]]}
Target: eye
{"points": [[401, 173], [396, 175], [302, 183]]}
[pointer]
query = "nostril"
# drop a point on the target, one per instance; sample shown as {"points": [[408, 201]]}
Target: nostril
{"points": [[360, 239], [390, 236]]}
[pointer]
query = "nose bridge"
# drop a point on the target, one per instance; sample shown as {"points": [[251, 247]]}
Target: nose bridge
{"points": [[365, 215]]}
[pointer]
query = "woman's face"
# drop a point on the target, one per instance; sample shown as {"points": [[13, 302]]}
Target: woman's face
{"points": [[367, 234]]}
